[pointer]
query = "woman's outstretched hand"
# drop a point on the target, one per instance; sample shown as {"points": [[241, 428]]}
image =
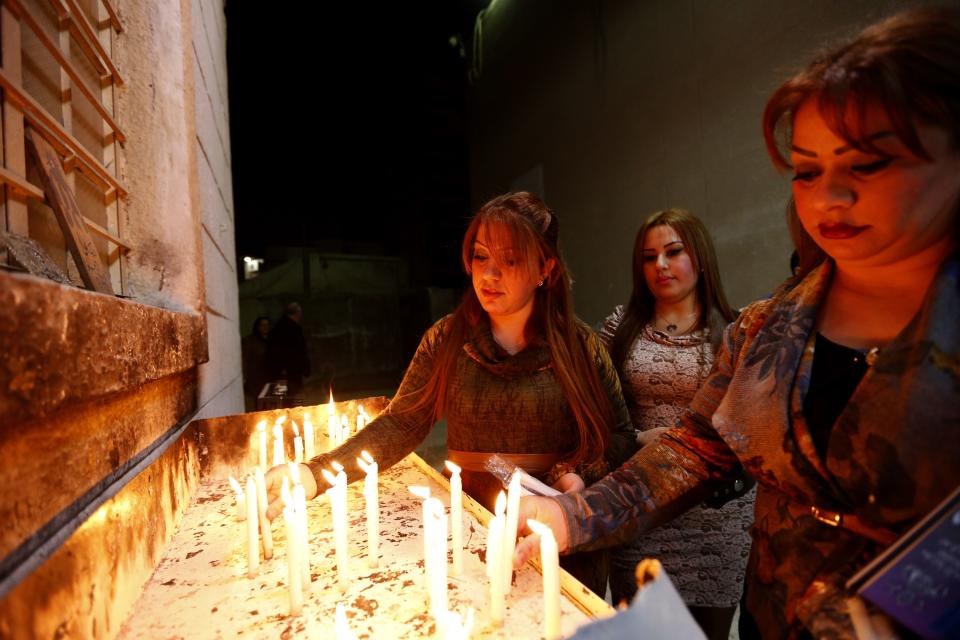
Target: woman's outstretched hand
{"points": [[569, 483], [274, 481], [546, 511]]}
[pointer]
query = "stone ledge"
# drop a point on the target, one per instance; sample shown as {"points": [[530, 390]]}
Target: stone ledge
{"points": [[63, 345]]}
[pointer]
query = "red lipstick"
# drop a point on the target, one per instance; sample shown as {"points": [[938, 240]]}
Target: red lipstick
{"points": [[839, 230]]}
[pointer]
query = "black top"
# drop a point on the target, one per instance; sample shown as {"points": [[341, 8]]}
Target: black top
{"points": [[837, 370]]}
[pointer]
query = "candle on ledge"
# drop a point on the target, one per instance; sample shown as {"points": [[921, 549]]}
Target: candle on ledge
{"points": [[436, 523], [300, 510], [297, 444], [510, 530], [457, 628], [495, 533], [424, 493], [253, 540], [361, 418], [240, 498], [294, 548], [333, 424], [371, 494], [550, 566], [267, 534], [278, 455], [456, 517], [309, 442], [338, 502], [344, 429], [262, 428], [342, 628]]}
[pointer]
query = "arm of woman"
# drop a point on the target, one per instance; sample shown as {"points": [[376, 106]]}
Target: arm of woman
{"points": [[657, 484], [398, 430]]}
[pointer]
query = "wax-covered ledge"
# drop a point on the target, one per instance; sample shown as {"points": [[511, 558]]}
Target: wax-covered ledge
{"points": [[62, 345]]}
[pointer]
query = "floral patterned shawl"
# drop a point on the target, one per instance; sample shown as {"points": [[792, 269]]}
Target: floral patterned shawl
{"points": [[893, 453]]}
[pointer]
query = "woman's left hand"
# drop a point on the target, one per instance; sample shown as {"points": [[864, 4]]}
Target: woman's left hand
{"points": [[570, 483]]}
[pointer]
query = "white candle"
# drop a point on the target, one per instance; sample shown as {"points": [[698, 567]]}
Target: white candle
{"points": [[371, 494], [262, 505], [510, 532], [309, 441], [278, 455], [300, 510], [262, 428], [338, 501], [495, 532], [342, 628], [456, 517], [294, 549], [457, 628], [424, 492], [240, 499], [550, 565], [436, 524], [344, 429], [297, 444], [333, 424], [253, 540]]}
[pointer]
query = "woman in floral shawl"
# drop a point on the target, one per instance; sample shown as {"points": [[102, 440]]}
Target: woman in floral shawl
{"points": [[841, 394]]}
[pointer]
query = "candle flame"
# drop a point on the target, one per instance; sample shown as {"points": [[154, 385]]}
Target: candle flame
{"points": [[420, 492], [366, 456], [336, 466], [236, 485], [262, 425], [501, 504], [294, 473], [330, 406], [296, 432], [329, 477], [454, 469], [539, 528]]}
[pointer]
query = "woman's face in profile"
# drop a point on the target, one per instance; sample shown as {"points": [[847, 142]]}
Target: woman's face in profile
{"points": [[873, 208], [504, 285]]}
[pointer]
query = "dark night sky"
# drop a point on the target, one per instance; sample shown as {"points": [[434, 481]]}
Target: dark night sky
{"points": [[348, 129]]}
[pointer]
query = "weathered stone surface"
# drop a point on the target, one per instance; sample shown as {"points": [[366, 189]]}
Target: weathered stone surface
{"points": [[62, 345]]}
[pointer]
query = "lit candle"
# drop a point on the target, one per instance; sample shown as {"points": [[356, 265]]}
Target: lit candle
{"points": [[297, 444], [309, 443], [371, 494], [253, 540], [495, 532], [333, 424], [510, 531], [344, 428], [360, 418], [300, 510], [262, 515], [262, 428], [240, 499], [338, 502], [456, 517], [278, 456], [550, 565], [424, 493], [294, 549]]}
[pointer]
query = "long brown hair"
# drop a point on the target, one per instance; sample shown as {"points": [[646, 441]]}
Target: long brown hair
{"points": [[908, 65], [715, 311], [522, 223]]}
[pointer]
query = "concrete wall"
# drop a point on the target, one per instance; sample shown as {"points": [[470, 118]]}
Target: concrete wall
{"points": [[623, 108], [221, 379]]}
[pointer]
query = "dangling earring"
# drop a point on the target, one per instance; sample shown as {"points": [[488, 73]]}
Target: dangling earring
{"points": [[540, 284]]}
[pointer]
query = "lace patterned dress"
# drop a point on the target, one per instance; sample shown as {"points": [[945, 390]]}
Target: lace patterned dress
{"points": [[705, 550]]}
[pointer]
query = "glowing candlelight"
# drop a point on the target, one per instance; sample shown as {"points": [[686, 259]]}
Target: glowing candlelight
{"points": [[300, 510], [371, 494], [262, 515], [262, 428], [344, 429], [338, 501], [333, 424], [278, 456], [456, 517], [361, 418], [253, 540], [309, 442], [240, 499], [510, 530], [297, 444], [550, 565], [495, 534]]}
